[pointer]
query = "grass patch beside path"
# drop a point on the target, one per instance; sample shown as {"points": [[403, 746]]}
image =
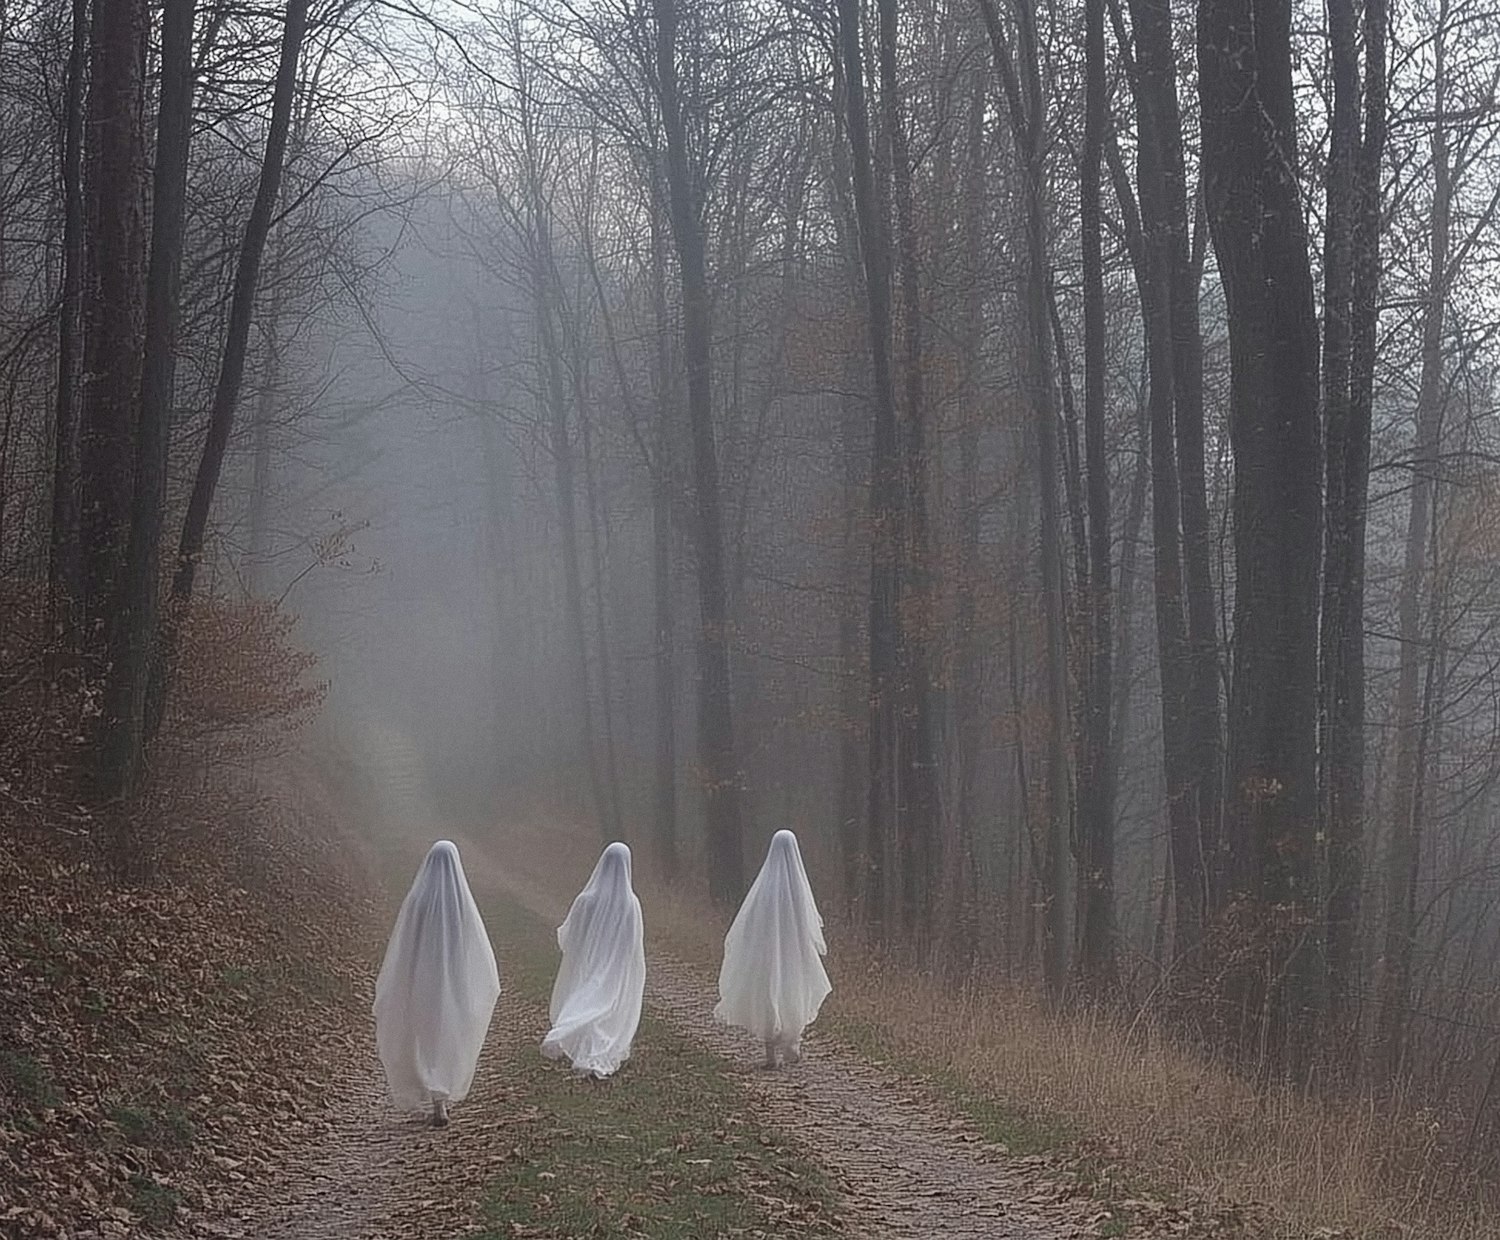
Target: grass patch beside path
{"points": [[998, 1121], [887, 1015], [668, 1148]]}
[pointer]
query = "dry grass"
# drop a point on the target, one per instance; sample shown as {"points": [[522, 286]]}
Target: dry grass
{"points": [[1153, 1108]]}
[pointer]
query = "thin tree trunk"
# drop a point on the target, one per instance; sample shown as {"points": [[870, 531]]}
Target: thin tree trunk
{"points": [[1135, 519], [1204, 736], [853, 700], [1351, 256], [1404, 857], [1341, 636], [1158, 260], [113, 303], [967, 693], [715, 710], [664, 626], [885, 483], [65, 551], [242, 305], [1026, 106], [599, 556], [853, 703], [657, 455], [918, 815], [561, 445], [1073, 495], [1347, 837], [258, 557], [507, 704], [1096, 774], [133, 632]]}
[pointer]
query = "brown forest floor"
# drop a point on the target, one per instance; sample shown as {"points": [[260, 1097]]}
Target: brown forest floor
{"points": [[717, 1146], [256, 1108]]}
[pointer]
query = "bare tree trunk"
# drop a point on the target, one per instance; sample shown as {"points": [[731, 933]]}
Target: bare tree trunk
{"points": [[967, 693], [1341, 637], [1351, 284], [715, 711], [657, 454], [560, 443], [664, 626], [113, 302], [1255, 216], [505, 703], [1135, 511], [1074, 498], [1404, 858], [133, 631], [1346, 855], [1135, 519], [599, 556], [885, 484], [918, 815], [853, 700], [242, 305], [1096, 777], [1169, 307], [65, 551], [1204, 737], [1026, 106]]}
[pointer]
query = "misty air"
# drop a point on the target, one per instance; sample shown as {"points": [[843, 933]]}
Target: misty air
{"points": [[692, 619]]}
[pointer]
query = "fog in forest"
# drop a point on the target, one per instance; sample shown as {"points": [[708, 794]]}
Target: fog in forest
{"points": [[970, 436]]}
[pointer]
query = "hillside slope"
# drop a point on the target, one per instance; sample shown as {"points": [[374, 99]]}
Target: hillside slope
{"points": [[164, 1040]]}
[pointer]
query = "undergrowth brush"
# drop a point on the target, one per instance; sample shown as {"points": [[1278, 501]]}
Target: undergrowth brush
{"points": [[176, 986]]}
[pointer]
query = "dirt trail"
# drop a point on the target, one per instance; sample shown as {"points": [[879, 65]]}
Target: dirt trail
{"points": [[907, 1166], [380, 1175]]}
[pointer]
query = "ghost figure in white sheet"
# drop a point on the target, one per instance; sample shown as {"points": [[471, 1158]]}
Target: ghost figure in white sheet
{"points": [[596, 1000], [436, 990], [772, 982]]}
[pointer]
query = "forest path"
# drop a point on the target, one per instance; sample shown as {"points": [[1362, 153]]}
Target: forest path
{"points": [[382, 1175], [905, 1165], [901, 1164]]}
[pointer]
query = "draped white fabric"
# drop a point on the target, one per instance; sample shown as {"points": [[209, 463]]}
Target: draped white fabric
{"points": [[596, 1000], [437, 987], [772, 982]]}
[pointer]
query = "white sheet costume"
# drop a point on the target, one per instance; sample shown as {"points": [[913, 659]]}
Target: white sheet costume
{"points": [[596, 1000], [436, 990], [772, 982]]}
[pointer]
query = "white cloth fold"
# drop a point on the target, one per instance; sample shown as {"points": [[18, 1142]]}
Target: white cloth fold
{"points": [[596, 1000], [437, 987], [772, 982]]}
